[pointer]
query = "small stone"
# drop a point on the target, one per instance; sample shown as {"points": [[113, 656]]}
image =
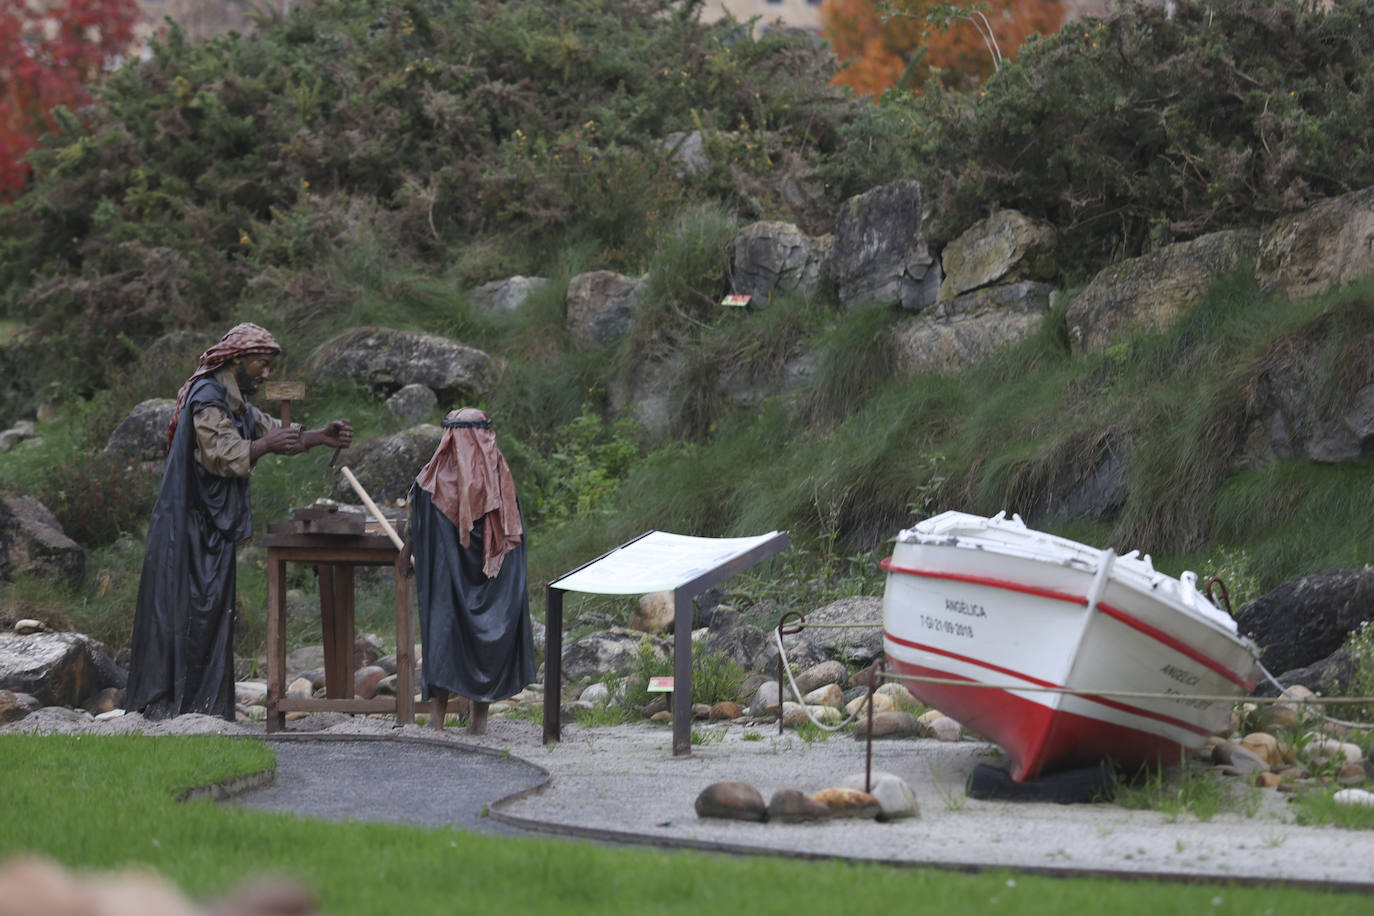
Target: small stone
{"points": [[1265, 746], [790, 806], [655, 706], [655, 614], [386, 687], [859, 705], [817, 676], [250, 693], [765, 701], [661, 716], [597, 694], [726, 710], [895, 798], [887, 725], [15, 706], [1238, 757], [865, 677], [701, 712], [828, 695], [1268, 780], [946, 729], [848, 803], [733, 800], [103, 701], [300, 687], [901, 697], [1354, 797], [365, 681], [926, 720], [28, 626], [1351, 774]]}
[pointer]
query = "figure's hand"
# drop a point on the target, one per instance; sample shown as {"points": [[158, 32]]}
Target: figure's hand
{"points": [[338, 434], [284, 440]]}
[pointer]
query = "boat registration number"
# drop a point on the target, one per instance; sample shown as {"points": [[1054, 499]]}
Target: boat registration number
{"points": [[948, 627]]}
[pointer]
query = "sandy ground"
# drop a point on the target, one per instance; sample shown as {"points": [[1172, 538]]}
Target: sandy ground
{"points": [[623, 784]]}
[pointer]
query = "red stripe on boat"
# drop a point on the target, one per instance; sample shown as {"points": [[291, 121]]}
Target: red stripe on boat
{"points": [[1113, 704], [1038, 739], [1246, 683]]}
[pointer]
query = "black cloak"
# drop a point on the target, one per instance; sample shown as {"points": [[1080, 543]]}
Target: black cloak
{"points": [[476, 632], [183, 643]]}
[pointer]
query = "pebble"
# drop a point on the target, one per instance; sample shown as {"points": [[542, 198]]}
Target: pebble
{"points": [[726, 710], [887, 725], [1351, 774], [859, 705], [828, 695], [732, 799], [1354, 797], [365, 681], [1238, 757], [853, 803], [597, 694], [821, 675], [895, 798], [1266, 747], [946, 729], [901, 697]]}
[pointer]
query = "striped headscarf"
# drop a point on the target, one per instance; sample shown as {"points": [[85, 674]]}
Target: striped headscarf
{"points": [[242, 340], [468, 479]]}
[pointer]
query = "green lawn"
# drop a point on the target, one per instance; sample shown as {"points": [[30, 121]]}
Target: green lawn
{"points": [[97, 803]]}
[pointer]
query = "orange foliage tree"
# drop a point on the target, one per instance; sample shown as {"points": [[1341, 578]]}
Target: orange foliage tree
{"points": [[51, 53], [903, 42]]}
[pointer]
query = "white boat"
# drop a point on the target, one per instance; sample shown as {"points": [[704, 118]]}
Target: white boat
{"points": [[972, 600]]}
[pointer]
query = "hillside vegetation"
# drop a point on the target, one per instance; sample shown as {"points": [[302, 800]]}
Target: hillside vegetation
{"points": [[363, 163]]}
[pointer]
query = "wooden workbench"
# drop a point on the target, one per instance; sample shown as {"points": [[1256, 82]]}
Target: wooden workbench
{"points": [[335, 554]]}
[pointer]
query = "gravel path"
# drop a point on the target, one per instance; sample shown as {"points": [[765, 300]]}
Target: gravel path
{"points": [[622, 784]]}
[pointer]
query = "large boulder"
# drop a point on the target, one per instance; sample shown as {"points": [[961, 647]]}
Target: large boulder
{"points": [[1007, 247], [1325, 246], [386, 467], [386, 361], [1297, 409], [32, 542], [1153, 291], [615, 650], [600, 306], [1306, 620], [881, 255], [770, 256], [970, 328], [848, 630], [142, 435], [58, 669]]}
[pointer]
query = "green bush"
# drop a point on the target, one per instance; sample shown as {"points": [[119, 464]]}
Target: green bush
{"points": [[1149, 125]]}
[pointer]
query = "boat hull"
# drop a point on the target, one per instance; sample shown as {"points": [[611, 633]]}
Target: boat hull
{"points": [[1060, 654]]}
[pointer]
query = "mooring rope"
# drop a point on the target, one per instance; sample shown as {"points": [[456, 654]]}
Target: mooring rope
{"points": [[796, 691]]}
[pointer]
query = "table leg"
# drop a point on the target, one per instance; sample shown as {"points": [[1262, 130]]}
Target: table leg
{"points": [[344, 634], [333, 673], [276, 640]]}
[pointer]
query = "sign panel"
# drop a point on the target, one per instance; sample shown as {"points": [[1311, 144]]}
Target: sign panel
{"points": [[657, 562]]}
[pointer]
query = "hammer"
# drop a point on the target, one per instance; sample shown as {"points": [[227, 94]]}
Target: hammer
{"points": [[286, 392]]}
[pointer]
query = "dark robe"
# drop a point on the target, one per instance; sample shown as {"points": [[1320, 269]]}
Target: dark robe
{"points": [[183, 642], [476, 632]]}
